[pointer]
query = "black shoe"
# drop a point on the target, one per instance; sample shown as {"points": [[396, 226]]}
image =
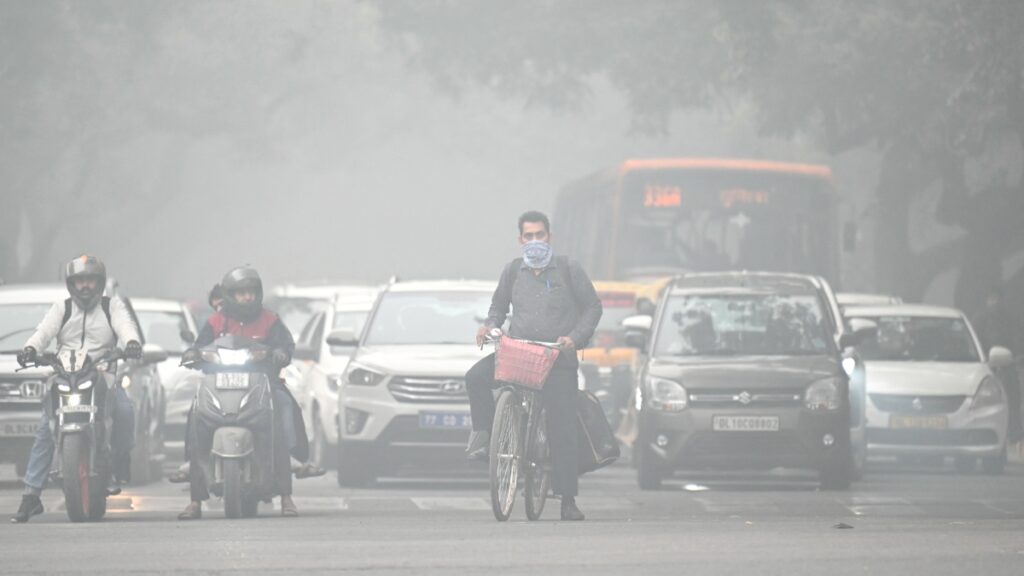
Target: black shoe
{"points": [[479, 445], [570, 513], [30, 506]]}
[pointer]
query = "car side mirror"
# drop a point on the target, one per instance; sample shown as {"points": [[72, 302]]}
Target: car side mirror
{"points": [[343, 338], [860, 330], [638, 330], [1000, 358], [153, 354], [187, 336]]}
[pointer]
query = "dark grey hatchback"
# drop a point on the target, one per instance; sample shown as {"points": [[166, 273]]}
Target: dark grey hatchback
{"points": [[744, 371]]}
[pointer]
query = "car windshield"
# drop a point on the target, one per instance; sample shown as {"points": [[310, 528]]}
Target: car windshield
{"points": [[18, 322], [906, 339], [428, 318], [164, 329], [743, 324]]}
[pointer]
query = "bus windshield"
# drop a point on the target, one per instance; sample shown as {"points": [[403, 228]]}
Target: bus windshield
{"points": [[677, 220]]}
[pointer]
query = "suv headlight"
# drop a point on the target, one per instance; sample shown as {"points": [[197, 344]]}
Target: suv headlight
{"points": [[666, 395], [823, 395], [362, 376], [990, 393]]}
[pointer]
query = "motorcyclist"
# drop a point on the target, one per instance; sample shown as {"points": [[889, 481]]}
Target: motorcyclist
{"points": [[553, 300], [96, 323], [242, 314]]}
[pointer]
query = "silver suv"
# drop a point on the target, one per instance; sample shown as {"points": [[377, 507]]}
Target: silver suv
{"points": [[402, 401]]}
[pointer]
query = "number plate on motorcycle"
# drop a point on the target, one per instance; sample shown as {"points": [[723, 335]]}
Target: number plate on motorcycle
{"points": [[232, 381], [77, 409]]}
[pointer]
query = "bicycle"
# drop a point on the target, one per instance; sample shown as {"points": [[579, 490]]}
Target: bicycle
{"points": [[519, 446]]}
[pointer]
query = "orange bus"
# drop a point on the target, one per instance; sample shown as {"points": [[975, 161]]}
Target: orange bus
{"points": [[655, 217]]}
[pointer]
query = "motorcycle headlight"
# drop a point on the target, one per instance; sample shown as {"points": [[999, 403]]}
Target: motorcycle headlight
{"points": [[83, 386], [990, 393], [234, 357], [823, 395], [849, 366], [64, 387], [666, 395], [361, 376]]}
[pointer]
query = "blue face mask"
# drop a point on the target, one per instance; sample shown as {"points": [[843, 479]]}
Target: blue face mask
{"points": [[537, 254]]}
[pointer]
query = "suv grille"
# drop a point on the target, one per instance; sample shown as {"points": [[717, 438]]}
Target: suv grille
{"points": [[429, 390], [742, 397], [21, 390], [917, 404]]}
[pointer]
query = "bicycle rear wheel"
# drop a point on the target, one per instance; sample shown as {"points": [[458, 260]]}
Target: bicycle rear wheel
{"points": [[506, 453], [538, 471]]}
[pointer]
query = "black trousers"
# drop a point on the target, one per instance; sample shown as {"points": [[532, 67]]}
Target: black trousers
{"points": [[559, 397]]}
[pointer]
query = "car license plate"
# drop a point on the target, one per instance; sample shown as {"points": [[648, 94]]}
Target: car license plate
{"points": [[745, 424], [232, 381], [446, 420], [18, 429], [919, 422]]}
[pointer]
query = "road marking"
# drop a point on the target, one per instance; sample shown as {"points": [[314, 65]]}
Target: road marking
{"points": [[459, 504]]}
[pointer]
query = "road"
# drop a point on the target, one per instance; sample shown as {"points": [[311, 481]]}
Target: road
{"points": [[901, 521]]}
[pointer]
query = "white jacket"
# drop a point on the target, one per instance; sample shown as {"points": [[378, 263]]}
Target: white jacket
{"points": [[87, 329]]}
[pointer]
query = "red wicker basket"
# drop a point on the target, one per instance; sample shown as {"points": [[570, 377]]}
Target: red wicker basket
{"points": [[523, 363]]}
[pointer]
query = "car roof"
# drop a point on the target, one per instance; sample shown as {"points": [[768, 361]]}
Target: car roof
{"points": [[319, 291], [746, 282], [911, 310], [156, 305], [443, 286], [32, 293], [866, 299]]}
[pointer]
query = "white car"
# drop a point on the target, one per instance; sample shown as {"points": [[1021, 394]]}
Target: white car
{"points": [[851, 299], [297, 304], [317, 367], [402, 401], [932, 390], [170, 325]]}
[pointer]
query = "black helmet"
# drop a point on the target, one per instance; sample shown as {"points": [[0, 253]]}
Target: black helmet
{"points": [[84, 267], [238, 279]]}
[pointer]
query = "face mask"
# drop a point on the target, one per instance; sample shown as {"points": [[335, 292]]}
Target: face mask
{"points": [[537, 254]]}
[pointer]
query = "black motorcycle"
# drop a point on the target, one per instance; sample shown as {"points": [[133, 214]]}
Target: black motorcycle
{"points": [[82, 407], [233, 424]]}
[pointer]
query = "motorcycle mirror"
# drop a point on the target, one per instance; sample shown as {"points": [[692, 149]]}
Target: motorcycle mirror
{"points": [[187, 336], [153, 354]]}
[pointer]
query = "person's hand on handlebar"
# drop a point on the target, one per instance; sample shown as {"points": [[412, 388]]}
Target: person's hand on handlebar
{"points": [[190, 357], [280, 357], [481, 335], [133, 350], [566, 343], [27, 356]]}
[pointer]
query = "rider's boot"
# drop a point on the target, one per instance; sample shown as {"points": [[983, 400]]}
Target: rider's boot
{"points": [[288, 507], [478, 446], [31, 505], [193, 511], [570, 512]]}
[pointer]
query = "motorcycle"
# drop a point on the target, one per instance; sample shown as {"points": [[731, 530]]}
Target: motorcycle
{"points": [[233, 424], [82, 408]]}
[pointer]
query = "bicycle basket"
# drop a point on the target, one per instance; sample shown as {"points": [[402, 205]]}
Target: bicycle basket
{"points": [[522, 363]]}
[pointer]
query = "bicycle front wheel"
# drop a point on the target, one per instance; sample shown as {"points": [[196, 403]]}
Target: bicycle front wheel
{"points": [[538, 471], [506, 453]]}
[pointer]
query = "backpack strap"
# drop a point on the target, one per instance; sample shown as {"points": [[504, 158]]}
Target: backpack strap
{"points": [[67, 312], [105, 305]]}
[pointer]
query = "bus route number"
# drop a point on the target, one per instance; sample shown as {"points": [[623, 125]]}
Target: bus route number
{"points": [[656, 196]]}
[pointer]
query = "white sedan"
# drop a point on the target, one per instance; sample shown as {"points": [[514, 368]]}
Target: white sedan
{"points": [[932, 390]]}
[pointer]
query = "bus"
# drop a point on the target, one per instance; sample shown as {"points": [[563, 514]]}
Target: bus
{"points": [[649, 218]]}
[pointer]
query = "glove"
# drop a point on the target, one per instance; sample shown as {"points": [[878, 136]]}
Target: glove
{"points": [[280, 357], [27, 356], [133, 350], [190, 357]]}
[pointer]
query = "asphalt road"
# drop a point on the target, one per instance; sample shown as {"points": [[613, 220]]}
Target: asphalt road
{"points": [[901, 521]]}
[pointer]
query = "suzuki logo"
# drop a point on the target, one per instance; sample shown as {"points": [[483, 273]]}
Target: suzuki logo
{"points": [[917, 405], [744, 398], [453, 387], [31, 389]]}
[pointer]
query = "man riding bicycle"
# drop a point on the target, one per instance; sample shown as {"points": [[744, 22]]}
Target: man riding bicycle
{"points": [[553, 300], [89, 320]]}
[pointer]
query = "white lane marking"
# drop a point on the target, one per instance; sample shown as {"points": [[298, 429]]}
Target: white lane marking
{"points": [[465, 504], [883, 506]]}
